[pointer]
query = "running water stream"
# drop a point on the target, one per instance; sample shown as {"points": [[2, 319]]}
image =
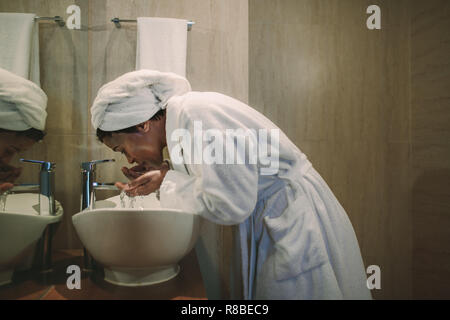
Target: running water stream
{"points": [[131, 202], [3, 198]]}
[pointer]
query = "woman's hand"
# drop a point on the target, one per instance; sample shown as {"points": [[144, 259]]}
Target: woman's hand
{"points": [[136, 171], [145, 183], [5, 186]]}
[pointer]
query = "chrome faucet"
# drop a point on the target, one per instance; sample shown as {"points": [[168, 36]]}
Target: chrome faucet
{"points": [[89, 185], [46, 186], [88, 176]]}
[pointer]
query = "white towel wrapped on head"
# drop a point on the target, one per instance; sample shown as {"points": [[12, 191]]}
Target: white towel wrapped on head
{"points": [[22, 103], [134, 98]]}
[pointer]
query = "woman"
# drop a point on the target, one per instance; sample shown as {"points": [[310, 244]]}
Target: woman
{"points": [[22, 121], [295, 239]]}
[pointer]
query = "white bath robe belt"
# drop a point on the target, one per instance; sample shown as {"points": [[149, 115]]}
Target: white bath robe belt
{"points": [[296, 241]]}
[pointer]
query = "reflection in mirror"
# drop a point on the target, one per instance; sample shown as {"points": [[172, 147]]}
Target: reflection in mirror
{"points": [[22, 102], [22, 122]]}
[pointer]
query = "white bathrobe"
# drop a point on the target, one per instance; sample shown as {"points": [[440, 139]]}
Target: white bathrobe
{"points": [[296, 240]]}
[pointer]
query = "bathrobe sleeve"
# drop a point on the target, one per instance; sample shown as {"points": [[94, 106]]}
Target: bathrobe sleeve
{"points": [[222, 193]]}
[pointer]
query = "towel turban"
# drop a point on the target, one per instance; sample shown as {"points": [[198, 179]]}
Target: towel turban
{"points": [[134, 98], [22, 103]]}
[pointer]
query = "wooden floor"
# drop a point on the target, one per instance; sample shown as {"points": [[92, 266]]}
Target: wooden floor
{"points": [[187, 284]]}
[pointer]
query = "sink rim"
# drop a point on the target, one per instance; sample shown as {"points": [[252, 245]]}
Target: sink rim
{"points": [[133, 210], [51, 218]]}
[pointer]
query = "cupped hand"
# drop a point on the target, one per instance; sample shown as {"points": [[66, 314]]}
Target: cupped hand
{"points": [[145, 183], [136, 171], [5, 186]]}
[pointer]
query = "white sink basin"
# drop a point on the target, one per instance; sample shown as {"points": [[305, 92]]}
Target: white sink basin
{"points": [[137, 247], [21, 226]]}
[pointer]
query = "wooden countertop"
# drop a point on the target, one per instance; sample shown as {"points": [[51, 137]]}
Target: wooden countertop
{"points": [[188, 284]]}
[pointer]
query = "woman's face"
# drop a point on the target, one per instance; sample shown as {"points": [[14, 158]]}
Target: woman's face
{"points": [[11, 143], [143, 147]]}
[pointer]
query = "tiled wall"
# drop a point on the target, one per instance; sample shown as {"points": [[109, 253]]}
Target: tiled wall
{"points": [[341, 92], [430, 132]]}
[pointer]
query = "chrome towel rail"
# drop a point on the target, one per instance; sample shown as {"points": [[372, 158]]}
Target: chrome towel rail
{"points": [[57, 19], [117, 22]]}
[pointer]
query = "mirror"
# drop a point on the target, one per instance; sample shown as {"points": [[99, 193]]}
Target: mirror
{"points": [[39, 47], [22, 122], [22, 102]]}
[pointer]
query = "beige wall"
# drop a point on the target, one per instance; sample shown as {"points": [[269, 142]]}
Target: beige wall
{"points": [[430, 134], [341, 93]]}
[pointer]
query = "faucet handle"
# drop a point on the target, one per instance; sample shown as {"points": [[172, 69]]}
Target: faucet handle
{"points": [[90, 165], [45, 165]]}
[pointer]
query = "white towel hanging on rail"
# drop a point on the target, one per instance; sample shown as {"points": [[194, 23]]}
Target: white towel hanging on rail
{"points": [[19, 40], [161, 44]]}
